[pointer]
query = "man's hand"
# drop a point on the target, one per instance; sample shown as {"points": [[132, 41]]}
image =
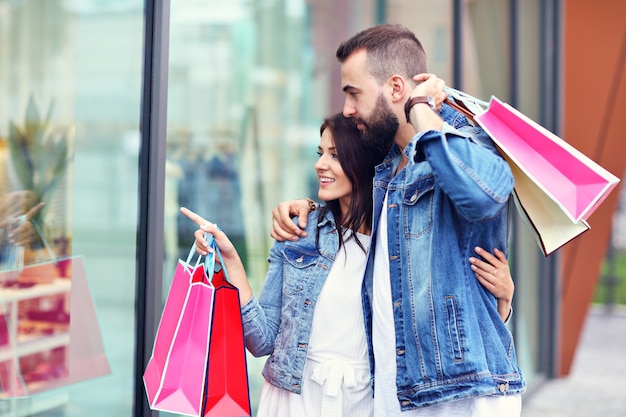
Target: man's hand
{"points": [[421, 116], [430, 85], [283, 227]]}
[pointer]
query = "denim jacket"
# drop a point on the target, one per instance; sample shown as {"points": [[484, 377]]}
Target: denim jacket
{"points": [[279, 322], [452, 196]]}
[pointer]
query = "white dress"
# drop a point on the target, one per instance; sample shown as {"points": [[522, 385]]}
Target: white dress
{"points": [[336, 373]]}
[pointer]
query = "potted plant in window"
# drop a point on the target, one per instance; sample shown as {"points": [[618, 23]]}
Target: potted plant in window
{"points": [[39, 159]]}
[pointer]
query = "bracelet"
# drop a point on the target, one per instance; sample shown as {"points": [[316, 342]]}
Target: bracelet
{"points": [[312, 205]]}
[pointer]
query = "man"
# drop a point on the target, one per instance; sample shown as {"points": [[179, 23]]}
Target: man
{"points": [[437, 344]]}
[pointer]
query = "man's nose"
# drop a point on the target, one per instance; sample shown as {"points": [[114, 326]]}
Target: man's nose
{"points": [[348, 109]]}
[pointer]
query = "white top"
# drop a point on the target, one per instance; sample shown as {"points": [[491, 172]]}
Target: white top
{"points": [[386, 402], [336, 373], [338, 328]]}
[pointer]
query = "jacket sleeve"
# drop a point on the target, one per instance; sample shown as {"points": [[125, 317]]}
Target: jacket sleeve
{"points": [[468, 168], [261, 317]]}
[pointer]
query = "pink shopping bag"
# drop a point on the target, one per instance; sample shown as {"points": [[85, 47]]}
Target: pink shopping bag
{"points": [[557, 187], [87, 357], [49, 331], [573, 180], [175, 374]]}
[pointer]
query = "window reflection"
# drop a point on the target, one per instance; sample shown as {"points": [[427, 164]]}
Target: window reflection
{"points": [[70, 82]]}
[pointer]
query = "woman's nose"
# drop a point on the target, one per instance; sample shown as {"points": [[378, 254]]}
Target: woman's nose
{"points": [[321, 163]]}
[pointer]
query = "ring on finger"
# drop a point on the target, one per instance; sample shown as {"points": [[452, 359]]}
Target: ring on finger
{"points": [[495, 271]]}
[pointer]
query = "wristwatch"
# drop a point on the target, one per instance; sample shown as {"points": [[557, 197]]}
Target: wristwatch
{"points": [[412, 101]]}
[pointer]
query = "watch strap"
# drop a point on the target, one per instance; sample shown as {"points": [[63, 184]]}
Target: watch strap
{"points": [[412, 101]]}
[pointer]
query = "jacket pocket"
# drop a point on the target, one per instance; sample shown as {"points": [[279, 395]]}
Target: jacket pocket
{"points": [[297, 264], [417, 204], [454, 331]]}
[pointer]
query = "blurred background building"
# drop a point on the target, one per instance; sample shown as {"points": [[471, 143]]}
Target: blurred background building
{"points": [[216, 105]]}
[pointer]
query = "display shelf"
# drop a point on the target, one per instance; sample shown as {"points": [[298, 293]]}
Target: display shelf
{"points": [[29, 344], [46, 337], [58, 286]]}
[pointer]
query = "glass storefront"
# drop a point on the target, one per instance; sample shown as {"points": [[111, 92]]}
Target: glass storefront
{"points": [[249, 83], [70, 81]]}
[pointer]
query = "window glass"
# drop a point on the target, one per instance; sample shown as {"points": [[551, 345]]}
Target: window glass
{"points": [[75, 65], [249, 85]]}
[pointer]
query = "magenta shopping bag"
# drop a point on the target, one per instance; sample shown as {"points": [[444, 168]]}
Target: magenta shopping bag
{"points": [[175, 375], [575, 182], [557, 187]]}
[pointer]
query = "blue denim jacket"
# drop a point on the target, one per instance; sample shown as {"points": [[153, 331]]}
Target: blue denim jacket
{"points": [[279, 322], [452, 196]]}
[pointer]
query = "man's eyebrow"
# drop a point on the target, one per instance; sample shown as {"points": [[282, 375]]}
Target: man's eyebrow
{"points": [[348, 87]]}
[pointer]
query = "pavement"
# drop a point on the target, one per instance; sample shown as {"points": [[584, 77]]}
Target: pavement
{"points": [[596, 385]]}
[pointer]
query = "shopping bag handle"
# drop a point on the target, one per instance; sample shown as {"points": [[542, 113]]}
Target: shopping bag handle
{"points": [[462, 96], [465, 104], [192, 251], [209, 261]]}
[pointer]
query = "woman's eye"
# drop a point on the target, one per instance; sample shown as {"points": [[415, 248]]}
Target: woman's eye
{"points": [[334, 155], [319, 154]]}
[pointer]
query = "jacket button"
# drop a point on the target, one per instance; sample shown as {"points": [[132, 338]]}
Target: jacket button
{"points": [[302, 345], [401, 352], [300, 259], [503, 387], [308, 302], [413, 197]]}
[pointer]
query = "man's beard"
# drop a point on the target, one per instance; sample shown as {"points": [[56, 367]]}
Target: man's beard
{"points": [[380, 130]]}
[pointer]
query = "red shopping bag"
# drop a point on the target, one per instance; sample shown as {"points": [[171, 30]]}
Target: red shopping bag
{"points": [[557, 187], [227, 389], [175, 374]]}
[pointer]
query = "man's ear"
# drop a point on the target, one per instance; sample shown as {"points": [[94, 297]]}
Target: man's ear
{"points": [[399, 88]]}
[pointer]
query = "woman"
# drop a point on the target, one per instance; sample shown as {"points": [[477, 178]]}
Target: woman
{"points": [[309, 316]]}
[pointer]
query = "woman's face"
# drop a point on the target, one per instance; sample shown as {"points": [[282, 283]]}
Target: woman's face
{"points": [[334, 184]]}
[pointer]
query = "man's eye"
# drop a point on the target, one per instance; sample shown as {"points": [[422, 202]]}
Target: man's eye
{"points": [[319, 154]]}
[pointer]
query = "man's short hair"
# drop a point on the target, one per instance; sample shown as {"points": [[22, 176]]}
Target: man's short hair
{"points": [[391, 49]]}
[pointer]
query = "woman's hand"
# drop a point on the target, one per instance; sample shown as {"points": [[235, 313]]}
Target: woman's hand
{"points": [[494, 274], [232, 261]]}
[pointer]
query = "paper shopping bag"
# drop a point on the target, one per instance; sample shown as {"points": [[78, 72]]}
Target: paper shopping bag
{"points": [[557, 187], [49, 332], [227, 389], [174, 378], [87, 357], [550, 227], [573, 180]]}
